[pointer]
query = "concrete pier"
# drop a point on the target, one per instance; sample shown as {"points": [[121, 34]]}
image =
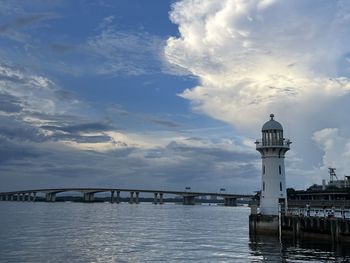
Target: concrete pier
{"points": [[188, 200], [88, 197], [50, 197], [112, 196], [131, 200], [161, 198], [118, 197], [331, 229], [263, 224], [155, 198], [137, 197], [228, 201]]}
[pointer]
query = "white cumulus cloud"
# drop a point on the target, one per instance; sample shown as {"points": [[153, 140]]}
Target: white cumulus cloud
{"points": [[255, 57]]}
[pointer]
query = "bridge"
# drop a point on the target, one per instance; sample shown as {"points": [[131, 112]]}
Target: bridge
{"points": [[188, 198]]}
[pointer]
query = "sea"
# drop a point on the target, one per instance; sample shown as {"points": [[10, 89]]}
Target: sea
{"points": [[103, 232]]}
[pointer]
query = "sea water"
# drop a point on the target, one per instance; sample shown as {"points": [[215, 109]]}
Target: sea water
{"points": [[104, 232]]}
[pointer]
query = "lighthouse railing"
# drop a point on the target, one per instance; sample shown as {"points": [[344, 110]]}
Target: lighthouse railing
{"points": [[282, 142]]}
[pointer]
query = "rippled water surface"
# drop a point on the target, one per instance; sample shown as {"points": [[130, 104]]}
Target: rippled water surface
{"points": [[103, 232]]}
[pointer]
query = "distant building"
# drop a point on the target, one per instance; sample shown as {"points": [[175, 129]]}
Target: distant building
{"points": [[334, 193]]}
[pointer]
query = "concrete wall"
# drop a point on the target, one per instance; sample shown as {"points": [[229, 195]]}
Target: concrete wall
{"points": [[334, 230], [263, 224]]}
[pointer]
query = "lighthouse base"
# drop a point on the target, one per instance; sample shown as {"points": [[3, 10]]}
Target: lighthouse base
{"points": [[263, 224]]}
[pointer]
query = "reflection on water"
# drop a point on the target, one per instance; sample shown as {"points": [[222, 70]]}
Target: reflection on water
{"points": [[103, 232], [270, 249]]}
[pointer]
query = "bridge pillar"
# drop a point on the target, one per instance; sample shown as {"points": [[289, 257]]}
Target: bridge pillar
{"points": [[137, 197], [23, 197], [11, 197], [155, 199], [118, 197], [131, 200], [161, 198], [229, 201], [188, 200], [34, 196], [112, 197], [50, 197], [88, 197]]}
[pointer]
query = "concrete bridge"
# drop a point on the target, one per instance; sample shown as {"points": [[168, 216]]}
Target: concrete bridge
{"points": [[188, 198]]}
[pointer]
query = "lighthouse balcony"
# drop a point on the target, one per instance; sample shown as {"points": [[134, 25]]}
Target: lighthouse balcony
{"points": [[283, 143]]}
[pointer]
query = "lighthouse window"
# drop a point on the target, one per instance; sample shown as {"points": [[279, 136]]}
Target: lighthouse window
{"points": [[263, 169], [280, 170], [263, 186], [280, 186]]}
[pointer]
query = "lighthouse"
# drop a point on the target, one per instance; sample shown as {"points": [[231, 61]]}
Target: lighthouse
{"points": [[272, 147]]}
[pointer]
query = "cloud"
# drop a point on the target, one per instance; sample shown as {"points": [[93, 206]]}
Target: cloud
{"points": [[336, 149], [12, 29], [9, 103], [125, 52], [252, 58]]}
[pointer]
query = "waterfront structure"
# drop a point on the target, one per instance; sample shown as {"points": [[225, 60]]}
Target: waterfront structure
{"points": [[335, 193], [272, 148], [188, 198]]}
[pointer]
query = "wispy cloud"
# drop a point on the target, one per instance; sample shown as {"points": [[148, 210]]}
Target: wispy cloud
{"points": [[126, 52]]}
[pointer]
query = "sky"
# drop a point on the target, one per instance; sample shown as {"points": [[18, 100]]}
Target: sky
{"points": [[166, 94]]}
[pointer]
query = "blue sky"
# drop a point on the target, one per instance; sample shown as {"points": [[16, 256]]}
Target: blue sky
{"points": [[168, 94]]}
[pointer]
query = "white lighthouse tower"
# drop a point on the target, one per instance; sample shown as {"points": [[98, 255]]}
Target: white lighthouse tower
{"points": [[272, 148]]}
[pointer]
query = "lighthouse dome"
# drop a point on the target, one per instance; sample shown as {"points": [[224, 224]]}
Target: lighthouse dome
{"points": [[272, 125]]}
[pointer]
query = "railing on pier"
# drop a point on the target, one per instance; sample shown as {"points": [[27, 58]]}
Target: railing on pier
{"points": [[320, 212]]}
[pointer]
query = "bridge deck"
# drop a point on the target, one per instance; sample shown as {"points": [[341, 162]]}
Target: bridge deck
{"points": [[99, 190]]}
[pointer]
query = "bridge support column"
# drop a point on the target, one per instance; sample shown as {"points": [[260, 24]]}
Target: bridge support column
{"points": [[155, 199], [188, 200], [23, 197], [11, 197], [137, 197], [229, 201], [161, 198], [112, 197], [118, 197], [131, 200], [50, 197], [34, 196], [88, 197]]}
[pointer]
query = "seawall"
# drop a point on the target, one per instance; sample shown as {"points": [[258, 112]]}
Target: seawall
{"points": [[335, 230]]}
